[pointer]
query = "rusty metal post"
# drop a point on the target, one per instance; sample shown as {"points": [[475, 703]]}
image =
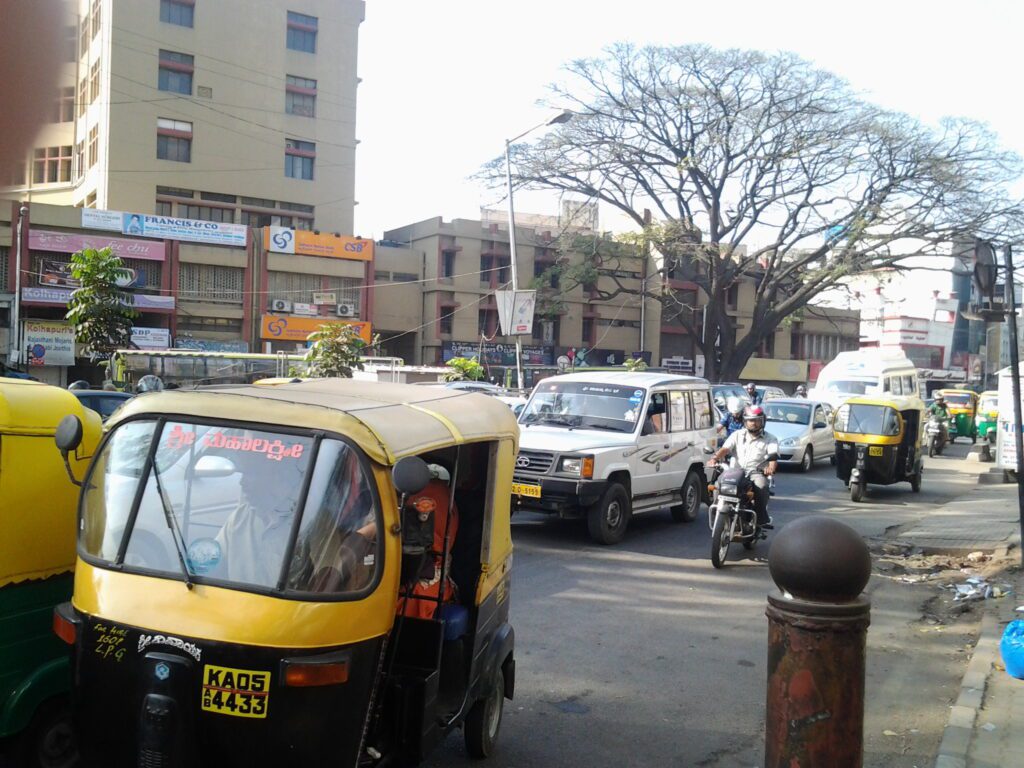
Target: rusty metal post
{"points": [[817, 634]]}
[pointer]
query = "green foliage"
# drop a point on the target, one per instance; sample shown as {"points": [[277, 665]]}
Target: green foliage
{"points": [[635, 365], [100, 311], [336, 351], [462, 368]]}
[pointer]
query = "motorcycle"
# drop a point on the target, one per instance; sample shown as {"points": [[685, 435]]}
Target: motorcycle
{"points": [[731, 516], [936, 432]]}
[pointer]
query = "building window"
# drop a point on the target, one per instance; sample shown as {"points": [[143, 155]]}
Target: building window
{"points": [[174, 140], [94, 145], [444, 323], [255, 219], [90, 200], [94, 81], [298, 159], [206, 213], [163, 208], [447, 264], [176, 72], [51, 165], [83, 95], [300, 96], [97, 5], [64, 107], [732, 297], [178, 12], [80, 158], [83, 39], [211, 283], [175, 192], [71, 44], [588, 330], [305, 224], [217, 197], [302, 32]]}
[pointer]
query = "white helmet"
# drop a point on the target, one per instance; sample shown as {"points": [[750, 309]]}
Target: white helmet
{"points": [[735, 406], [149, 383]]}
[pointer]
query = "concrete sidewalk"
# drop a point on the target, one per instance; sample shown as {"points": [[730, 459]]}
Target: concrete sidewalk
{"points": [[986, 724]]}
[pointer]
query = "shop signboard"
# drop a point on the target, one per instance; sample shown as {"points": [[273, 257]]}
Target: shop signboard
{"points": [[166, 227], [291, 328], [496, 354], [60, 297], [1006, 441], [205, 345], [67, 242], [49, 342], [305, 243], [151, 338]]}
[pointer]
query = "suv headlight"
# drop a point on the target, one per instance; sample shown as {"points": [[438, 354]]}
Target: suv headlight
{"points": [[580, 466]]}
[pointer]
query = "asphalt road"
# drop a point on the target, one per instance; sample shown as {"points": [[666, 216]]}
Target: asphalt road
{"points": [[644, 654]]}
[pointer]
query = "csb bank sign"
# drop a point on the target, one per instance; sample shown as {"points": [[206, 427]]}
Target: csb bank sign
{"points": [[305, 243]]}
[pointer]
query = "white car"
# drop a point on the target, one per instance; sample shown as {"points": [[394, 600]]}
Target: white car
{"points": [[803, 428], [604, 445]]}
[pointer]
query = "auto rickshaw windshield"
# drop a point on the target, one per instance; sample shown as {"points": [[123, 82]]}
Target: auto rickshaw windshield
{"points": [[958, 399], [252, 509], [862, 419], [989, 404]]}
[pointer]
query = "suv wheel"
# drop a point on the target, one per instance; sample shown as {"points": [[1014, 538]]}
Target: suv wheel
{"points": [[687, 511], [608, 518]]}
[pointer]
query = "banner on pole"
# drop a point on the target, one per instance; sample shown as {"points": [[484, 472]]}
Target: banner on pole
{"points": [[515, 312]]}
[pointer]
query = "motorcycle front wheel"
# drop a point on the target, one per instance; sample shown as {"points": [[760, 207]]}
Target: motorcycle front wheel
{"points": [[721, 538]]}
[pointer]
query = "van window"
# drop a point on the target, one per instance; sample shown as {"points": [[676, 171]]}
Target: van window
{"points": [[896, 382], [702, 409], [682, 417], [910, 385]]}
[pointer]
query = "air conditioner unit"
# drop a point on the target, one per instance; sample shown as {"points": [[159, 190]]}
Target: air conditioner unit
{"points": [[345, 310], [280, 305]]}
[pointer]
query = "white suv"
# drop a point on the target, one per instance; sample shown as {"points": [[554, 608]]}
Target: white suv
{"points": [[604, 445]]}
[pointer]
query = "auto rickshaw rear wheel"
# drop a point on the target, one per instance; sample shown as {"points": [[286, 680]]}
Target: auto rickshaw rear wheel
{"points": [[915, 482], [49, 741], [856, 491], [484, 720]]}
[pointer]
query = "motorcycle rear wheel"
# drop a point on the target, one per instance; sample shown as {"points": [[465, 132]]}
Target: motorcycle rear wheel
{"points": [[721, 538]]}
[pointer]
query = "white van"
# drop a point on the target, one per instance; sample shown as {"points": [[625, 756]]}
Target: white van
{"points": [[866, 372], [604, 445]]}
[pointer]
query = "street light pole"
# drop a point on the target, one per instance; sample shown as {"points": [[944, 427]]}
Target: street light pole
{"points": [[15, 346], [1018, 436], [561, 117]]}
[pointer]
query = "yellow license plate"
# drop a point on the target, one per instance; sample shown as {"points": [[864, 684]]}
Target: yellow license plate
{"points": [[876, 450], [235, 692], [522, 489]]}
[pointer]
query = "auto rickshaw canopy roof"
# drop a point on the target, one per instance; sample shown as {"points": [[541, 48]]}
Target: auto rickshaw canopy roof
{"points": [[33, 408], [388, 421], [909, 403]]}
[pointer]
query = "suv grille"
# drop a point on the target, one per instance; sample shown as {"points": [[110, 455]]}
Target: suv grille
{"points": [[534, 462]]}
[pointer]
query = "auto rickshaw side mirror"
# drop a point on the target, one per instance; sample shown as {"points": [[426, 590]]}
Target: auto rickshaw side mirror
{"points": [[410, 475], [68, 437]]}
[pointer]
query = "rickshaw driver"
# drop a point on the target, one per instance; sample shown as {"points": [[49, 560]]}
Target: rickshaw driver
{"points": [[753, 447], [940, 409]]}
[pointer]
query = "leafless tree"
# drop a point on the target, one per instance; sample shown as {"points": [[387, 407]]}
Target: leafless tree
{"points": [[760, 167]]}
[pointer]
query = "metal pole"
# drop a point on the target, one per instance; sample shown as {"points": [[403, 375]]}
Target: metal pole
{"points": [[1018, 435], [16, 324], [512, 254]]}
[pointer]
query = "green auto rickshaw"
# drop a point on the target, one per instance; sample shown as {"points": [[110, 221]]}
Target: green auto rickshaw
{"points": [[37, 557], [987, 422], [963, 406]]}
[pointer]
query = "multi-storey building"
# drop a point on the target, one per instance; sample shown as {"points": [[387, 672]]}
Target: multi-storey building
{"points": [[220, 110], [460, 264]]}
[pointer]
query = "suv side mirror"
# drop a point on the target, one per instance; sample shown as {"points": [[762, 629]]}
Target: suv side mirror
{"points": [[68, 437]]}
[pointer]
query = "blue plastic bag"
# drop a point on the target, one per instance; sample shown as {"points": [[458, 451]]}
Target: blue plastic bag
{"points": [[1012, 648]]}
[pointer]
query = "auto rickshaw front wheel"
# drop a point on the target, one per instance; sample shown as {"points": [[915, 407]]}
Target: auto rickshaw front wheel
{"points": [[484, 720], [856, 491], [49, 740], [915, 482]]}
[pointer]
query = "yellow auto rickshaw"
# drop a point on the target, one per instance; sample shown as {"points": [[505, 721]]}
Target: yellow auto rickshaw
{"points": [[878, 441], [303, 573], [37, 557], [963, 408]]}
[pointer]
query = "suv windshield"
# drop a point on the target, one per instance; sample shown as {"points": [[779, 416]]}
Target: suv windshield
{"points": [[582, 405], [867, 420], [241, 507]]}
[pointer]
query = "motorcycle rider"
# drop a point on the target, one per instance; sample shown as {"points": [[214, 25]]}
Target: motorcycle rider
{"points": [[752, 394], [752, 447], [940, 410], [733, 419], [801, 391]]}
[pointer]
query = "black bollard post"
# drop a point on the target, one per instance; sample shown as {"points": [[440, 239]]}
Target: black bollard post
{"points": [[817, 634]]}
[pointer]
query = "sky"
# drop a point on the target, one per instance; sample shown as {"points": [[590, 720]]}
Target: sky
{"points": [[445, 82]]}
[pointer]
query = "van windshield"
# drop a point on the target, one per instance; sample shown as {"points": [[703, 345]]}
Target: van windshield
{"points": [[249, 508], [852, 386], [583, 405]]}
